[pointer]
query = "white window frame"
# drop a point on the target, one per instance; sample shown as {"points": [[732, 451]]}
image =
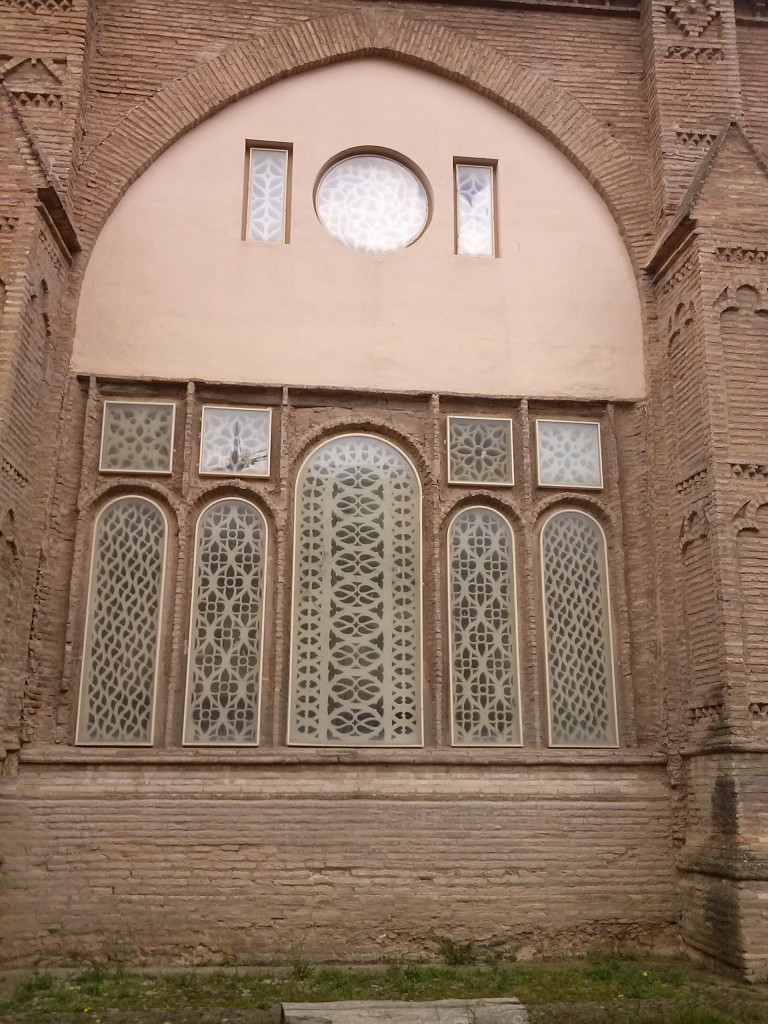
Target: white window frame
{"points": [[492, 165], [226, 473], [268, 147], [449, 577], [82, 704], [570, 487], [186, 742], [609, 617], [482, 483], [136, 472], [294, 589]]}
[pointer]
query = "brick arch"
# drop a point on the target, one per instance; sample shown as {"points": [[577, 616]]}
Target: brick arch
{"points": [[151, 127]]}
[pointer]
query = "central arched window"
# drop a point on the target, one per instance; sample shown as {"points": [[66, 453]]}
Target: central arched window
{"points": [[356, 642]]}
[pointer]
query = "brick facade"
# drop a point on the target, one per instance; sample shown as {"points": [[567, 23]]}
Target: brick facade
{"points": [[185, 855]]}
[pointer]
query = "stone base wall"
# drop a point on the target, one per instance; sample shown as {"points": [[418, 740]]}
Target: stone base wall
{"points": [[178, 863]]}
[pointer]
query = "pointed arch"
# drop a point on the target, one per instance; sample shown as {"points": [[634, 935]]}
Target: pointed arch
{"points": [[152, 126]]}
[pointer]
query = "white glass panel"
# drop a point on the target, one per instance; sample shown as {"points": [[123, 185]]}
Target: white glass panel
{"points": [[137, 437], [224, 673], [372, 203], [579, 655], [483, 629], [235, 442], [122, 632], [569, 454], [356, 657], [266, 198], [480, 451], [474, 209]]}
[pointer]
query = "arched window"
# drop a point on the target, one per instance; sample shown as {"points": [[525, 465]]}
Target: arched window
{"points": [[483, 629], [122, 633], [582, 699], [356, 645], [227, 625]]}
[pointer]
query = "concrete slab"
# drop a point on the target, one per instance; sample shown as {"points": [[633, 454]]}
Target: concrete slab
{"points": [[441, 1011]]}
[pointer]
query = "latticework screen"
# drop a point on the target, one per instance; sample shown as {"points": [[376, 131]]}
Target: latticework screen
{"points": [[224, 671], [484, 669], [267, 194], [578, 634], [123, 625], [480, 451], [569, 454], [137, 437], [356, 655]]}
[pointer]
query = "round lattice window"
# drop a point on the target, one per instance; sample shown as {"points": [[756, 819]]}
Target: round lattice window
{"points": [[372, 203]]}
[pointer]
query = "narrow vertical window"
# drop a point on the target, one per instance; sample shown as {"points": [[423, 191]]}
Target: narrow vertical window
{"points": [[227, 625], [267, 194], [483, 630], [356, 647], [122, 635], [579, 653], [475, 201]]}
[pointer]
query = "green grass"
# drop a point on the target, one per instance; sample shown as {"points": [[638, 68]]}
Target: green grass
{"points": [[593, 990]]}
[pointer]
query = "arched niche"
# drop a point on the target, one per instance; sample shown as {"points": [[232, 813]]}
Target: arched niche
{"points": [[172, 290]]}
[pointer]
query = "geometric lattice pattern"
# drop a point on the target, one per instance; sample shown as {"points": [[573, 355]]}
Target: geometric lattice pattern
{"points": [[137, 437], [569, 453], [356, 656], [267, 195], [225, 647], [578, 638], [483, 629], [372, 203], [122, 633], [474, 209], [480, 451], [235, 442]]}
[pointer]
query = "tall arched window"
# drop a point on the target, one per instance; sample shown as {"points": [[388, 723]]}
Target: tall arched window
{"points": [[227, 625], [122, 633], [483, 629], [579, 652], [356, 645]]}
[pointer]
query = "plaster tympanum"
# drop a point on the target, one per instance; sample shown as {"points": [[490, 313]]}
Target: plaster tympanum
{"points": [[172, 290]]}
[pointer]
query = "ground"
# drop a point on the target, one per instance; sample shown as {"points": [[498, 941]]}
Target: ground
{"points": [[598, 990]]}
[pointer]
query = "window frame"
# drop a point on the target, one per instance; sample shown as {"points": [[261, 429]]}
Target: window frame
{"points": [[223, 473], [419, 532], [493, 166], [82, 703], [516, 608], [571, 487], [251, 146], [137, 472], [192, 604], [612, 660], [480, 483]]}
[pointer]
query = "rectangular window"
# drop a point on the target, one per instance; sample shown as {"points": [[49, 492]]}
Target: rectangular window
{"points": [[137, 437], [268, 187], [475, 209], [569, 454]]}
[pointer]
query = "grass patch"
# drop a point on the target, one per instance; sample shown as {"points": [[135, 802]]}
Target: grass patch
{"points": [[598, 990]]}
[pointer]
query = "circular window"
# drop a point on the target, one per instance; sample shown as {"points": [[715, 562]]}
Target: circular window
{"points": [[372, 203]]}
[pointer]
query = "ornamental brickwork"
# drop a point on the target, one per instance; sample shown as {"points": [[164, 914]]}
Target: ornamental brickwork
{"points": [[173, 854]]}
